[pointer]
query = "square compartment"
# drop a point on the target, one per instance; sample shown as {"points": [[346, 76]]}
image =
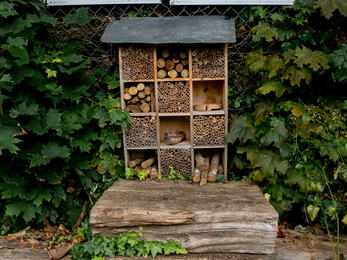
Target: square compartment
{"points": [[142, 132], [137, 99], [174, 97], [173, 124], [209, 92]]}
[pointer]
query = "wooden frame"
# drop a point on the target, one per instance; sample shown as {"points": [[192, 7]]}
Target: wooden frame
{"points": [[200, 87]]}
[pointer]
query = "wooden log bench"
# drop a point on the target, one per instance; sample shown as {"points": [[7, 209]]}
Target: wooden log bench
{"points": [[217, 217]]}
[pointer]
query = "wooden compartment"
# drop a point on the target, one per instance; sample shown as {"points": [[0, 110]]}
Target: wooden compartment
{"points": [[136, 62], [172, 62], [142, 159], [209, 130], [139, 97], [208, 96], [174, 124], [142, 132], [174, 97], [178, 158]]}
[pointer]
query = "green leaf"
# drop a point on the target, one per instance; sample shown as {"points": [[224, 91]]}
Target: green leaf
{"points": [[306, 36], [261, 112], [220, 178], [299, 19], [284, 33], [269, 162], [7, 9], [20, 53], [50, 151], [55, 90], [276, 133], [23, 109], [8, 142], [2, 98], [277, 192], [53, 119], [297, 177], [329, 6], [259, 11], [39, 194], [279, 17], [282, 205], [16, 42], [58, 195], [273, 85], [240, 128], [82, 139], [108, 163], [329, 150], [274, 65], [295, 75], [254, 61], [264, 30], [72, 211], [180, 249], [75, 94], [80, 17], [51, 73], [14, 186], [37, 126], [9, 126], [238, 161], [312, 211], [169, 247], [316, 59], [344, 220], [4, 63], [15, 208], [157, 247], [15, 27]]}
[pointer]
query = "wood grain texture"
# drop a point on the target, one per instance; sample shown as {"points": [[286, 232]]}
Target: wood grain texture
{"points": [[217, 217]]}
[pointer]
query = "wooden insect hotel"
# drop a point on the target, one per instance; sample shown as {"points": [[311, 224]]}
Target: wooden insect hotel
{"points": [[174, 82]]}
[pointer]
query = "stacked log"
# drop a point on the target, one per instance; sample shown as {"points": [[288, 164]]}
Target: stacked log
{"points": [[172, 64], [174, 97], [208, 130], [140, 164], [208, 62], [142, 132], [139, 98], [137, 62], [206, 168], [178, 158]]}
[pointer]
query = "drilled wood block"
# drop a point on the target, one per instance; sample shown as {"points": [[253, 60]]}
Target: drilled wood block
{"points": [[173, 97], [137, 62], [218, 217], [209, 130], [142, 132], [208, 61], [178, 158]]}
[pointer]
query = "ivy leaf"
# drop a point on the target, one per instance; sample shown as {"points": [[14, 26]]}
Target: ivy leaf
{"points": [[305, 129], [312, 211], [289, 55], [50, 151], [23, 109], [180, 249], [54, 88], [273, 65], [39, 194], [14, 186], [8, 142], [273, 85], [108, 163], [329, 6], [113, 81], [18, 206], [279, 17], [82, 139], [240, 128], [259, 11], [285, 33], [316, 59], [80, 17], [9, 126], [295, 75], [269, 162], [299, 19], [261, 112], [254, 61], [7, 9], [20, 53], [276, 133], [157, 247], [264, 30], [277, 191], [238, 161], [339, 56]]}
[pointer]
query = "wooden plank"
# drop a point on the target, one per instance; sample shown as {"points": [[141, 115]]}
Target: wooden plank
{"points": [[191, 105], [157, 105], [233, 217], [225, 106]]}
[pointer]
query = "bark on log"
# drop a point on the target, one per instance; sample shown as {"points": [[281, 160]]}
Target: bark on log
{"points": [[197, 174], [185, 73], [133, 108], [173, 74], [133, 90], [140, 86], [161, 63], [127, 96], [135, 162], [183, 55], [179, 67], [212, 173], [137, 169], [200, 162], [204, 174], [169, 65], [141, 94], [149, 162], [134, 100], [185, 62], [165, 53], [162, 74], [145, 108], [220, 169], [232, 217], [154, 172]]}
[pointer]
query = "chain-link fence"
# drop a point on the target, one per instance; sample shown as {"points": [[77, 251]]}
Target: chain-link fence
{"points": [[105, 56]]}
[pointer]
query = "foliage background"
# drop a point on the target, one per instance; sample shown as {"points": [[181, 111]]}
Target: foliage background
{"points": [[70, 124]]}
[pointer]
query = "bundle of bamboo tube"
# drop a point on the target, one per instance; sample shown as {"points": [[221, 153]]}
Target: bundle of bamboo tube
{"points": [[172, 64], [139, 98]]}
